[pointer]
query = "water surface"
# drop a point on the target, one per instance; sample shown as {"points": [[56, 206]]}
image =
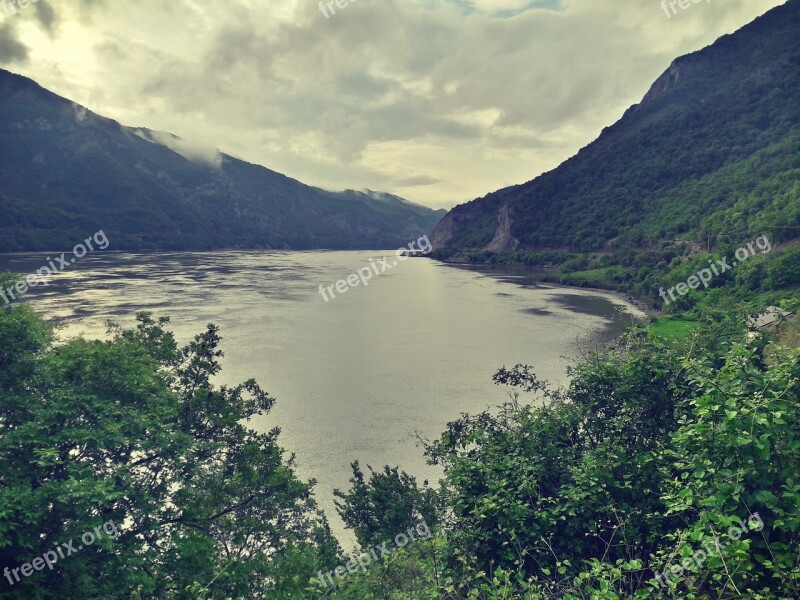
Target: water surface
{"points": [[356, 377]]}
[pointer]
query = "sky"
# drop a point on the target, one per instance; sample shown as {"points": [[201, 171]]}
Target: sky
{"points": [[438, 101]]}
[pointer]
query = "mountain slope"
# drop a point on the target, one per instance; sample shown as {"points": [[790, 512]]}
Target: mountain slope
{"points": [[66, 172], [712, 150]]}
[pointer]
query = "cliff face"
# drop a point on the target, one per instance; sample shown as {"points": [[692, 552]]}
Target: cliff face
{"points": [[487, 222], [672, 166], [503, 240], [681, 68], [453, 223]]}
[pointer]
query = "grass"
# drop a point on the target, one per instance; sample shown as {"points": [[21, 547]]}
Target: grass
{"points": [[672, 329]]}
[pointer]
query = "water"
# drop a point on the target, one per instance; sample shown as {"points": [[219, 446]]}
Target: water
{"points": [[356, 377]]}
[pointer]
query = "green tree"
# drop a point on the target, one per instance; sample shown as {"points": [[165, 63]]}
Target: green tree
{"points": [[131, 430], [387, 504]]}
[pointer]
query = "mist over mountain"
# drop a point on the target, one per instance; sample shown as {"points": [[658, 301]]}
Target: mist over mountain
{"points": [[67, 172]]}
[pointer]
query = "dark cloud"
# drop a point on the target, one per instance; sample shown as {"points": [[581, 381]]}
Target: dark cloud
{"points": [[12, 50], [46, 14]]}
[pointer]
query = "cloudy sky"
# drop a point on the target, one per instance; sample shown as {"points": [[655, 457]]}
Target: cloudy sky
{"points": [[439, 101]]}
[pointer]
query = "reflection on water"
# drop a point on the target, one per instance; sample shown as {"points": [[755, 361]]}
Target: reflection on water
{"points": [[355, 377]]}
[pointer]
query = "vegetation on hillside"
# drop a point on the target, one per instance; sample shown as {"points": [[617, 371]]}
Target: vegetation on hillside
{"points": [[661, 471], [708, 161], [73, 172]]}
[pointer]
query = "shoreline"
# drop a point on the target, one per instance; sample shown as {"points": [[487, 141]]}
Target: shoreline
{"points": [[640, 304]]}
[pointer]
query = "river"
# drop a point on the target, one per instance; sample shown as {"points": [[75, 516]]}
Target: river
{"points": [[358, 376]]}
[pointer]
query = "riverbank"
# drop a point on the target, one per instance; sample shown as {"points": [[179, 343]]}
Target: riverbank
{"points": [[543, 276]]}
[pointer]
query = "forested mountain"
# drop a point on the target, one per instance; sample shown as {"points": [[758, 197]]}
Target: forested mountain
{"points": [[66, 172], [711, 153]]}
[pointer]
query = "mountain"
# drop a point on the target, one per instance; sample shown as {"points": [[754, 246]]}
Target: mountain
{"points": [[66, 172], [710, 155]]}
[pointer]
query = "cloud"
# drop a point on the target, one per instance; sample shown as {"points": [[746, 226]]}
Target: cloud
{"points": [[46, 15], [81, 113], [192, 151], [454, 98], [11, 49]]}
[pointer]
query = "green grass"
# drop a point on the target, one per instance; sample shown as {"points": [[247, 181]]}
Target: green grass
{"points": [[672, 329], [595, 276]]}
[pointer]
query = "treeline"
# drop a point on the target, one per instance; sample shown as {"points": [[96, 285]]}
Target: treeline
{"points": [[762, 279]]}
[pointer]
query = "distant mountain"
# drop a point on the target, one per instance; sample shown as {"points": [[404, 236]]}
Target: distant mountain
{"points": [[712, 153], [66, 172]]}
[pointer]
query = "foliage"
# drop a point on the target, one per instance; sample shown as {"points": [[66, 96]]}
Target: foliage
{"points": [[132, 430], [600, 489], [378, 509], [666, 327], [597, 490]]}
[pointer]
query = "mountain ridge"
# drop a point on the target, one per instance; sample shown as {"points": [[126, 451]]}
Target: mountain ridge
{"points": [[66, 170], [757, 110]]}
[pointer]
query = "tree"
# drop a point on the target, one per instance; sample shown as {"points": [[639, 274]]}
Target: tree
{"points": [[131, 431], [386, 505]]}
